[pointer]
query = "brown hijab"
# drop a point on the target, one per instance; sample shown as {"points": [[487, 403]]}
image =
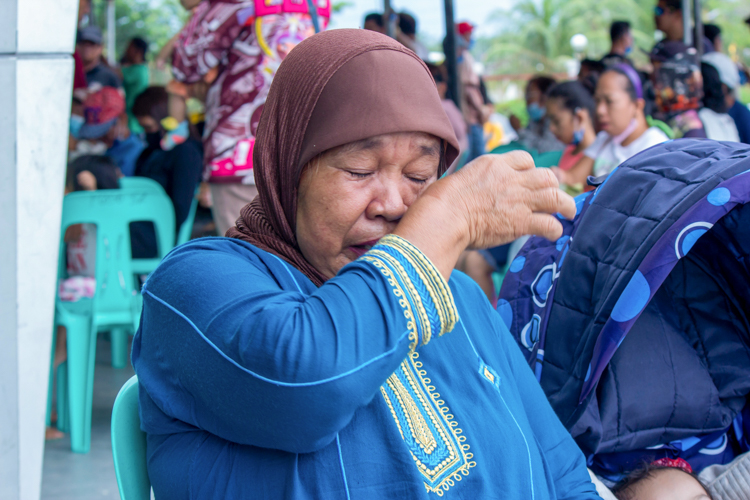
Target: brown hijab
{"points": [[334, 88]]}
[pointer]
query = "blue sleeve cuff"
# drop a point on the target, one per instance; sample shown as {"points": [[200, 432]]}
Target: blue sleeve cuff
{"points": [[422, 291]]}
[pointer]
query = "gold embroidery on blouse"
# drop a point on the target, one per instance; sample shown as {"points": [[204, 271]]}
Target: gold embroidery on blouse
{"points": [[398, 268], [411, 323], [436, 285], [433, 437]]}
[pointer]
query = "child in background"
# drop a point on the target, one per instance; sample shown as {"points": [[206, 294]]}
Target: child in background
{"points": [[664, 479], [571, 111]]}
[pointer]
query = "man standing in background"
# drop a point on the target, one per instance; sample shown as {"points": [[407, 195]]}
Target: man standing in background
{"points": [[135, 77], [89, 47], [622, 44], [374, 22]]}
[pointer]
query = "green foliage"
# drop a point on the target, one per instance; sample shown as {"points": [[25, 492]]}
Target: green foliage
{"points": [[729, 15], [534, 35], [154, 20], [337, 7]]}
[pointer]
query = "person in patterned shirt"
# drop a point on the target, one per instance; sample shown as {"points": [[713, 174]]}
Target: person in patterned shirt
{"points": [[237, 46]]}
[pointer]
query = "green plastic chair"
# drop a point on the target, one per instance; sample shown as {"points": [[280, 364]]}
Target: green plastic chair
{"points": [[129, 445], [140, 183], [186, 229], [507, 148], [548, 159], [115, 304], [147, 266]]}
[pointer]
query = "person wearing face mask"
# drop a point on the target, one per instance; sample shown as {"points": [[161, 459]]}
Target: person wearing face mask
{"points": [[537, 135], [622, 44], [571, 111], [104, 130], [624, 130], [178, 169]]}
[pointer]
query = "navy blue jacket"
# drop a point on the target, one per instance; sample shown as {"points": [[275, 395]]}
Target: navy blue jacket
{"points": [[637, 320]]}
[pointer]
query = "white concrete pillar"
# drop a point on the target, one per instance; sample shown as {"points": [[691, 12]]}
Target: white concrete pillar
{"points": [[36, 72]]}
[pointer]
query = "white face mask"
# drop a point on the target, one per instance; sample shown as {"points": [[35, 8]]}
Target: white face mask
{"points": [[626, 133]]}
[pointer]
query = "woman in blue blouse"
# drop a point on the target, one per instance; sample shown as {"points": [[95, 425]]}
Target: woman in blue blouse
{"points": [[326, 349]]}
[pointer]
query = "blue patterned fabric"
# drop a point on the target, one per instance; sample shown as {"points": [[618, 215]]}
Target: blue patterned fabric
{"points": [[635, 320], [385, 382]]}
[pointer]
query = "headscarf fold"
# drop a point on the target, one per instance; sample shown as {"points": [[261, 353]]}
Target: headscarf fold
{"points": [[336, 87]]}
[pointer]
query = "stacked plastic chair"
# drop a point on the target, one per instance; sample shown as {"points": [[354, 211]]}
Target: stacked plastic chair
{"points": [[116, 302]]}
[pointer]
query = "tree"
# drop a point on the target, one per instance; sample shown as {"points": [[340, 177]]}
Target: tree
{"points": [[535, 35], [156, 21], [729, 15]]}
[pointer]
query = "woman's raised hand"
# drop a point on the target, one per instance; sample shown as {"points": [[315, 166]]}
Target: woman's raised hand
{"points": [[504, 197], [490, 202]]}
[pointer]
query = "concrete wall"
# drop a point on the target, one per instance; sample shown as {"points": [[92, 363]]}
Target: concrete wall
{"points": [[36, 72]]}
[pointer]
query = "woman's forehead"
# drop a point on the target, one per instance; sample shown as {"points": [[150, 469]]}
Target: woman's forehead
{"points": [[429, 144]]}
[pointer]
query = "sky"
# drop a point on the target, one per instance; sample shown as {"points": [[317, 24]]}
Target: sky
{"points": [[430, 14]]}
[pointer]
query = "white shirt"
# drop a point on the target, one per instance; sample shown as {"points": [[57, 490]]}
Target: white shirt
{"points": [[607, 154], [719, 126]]}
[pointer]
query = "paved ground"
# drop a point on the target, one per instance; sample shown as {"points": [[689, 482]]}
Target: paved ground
{"points": [[71, 476]]}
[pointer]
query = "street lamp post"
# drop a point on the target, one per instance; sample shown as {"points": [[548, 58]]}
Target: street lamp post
{"points": [[450, 54], [387, 14]]}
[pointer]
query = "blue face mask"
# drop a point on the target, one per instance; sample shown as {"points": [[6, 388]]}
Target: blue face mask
{"points": [[536, 112], [76, 122]]}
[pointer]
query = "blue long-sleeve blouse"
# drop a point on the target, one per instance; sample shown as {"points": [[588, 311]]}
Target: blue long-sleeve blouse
{"points": [[385, 382]]}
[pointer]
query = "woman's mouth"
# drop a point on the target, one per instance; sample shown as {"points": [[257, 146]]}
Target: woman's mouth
{"points": [[362, 248]]}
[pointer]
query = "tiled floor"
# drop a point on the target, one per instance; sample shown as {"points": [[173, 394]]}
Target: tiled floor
{"points": [[72, 476]]}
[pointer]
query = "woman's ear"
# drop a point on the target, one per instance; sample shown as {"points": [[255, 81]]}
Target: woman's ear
{"points": [[640, 104]]}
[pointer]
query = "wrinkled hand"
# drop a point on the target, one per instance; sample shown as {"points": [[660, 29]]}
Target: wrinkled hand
{"points": [[504, 197], [490, 202]]}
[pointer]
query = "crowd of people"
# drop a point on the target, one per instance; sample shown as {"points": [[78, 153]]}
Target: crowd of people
{"points": [[268, 351]]}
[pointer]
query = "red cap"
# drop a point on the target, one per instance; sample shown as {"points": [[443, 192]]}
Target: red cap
{"points": [[103, 106], [100, 110], [464, 28]]}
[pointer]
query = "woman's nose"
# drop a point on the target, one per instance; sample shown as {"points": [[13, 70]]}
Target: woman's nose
{"points": [[390, 200]]}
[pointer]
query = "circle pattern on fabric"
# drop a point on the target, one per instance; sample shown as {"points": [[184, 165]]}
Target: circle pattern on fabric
{"points": [[719, 196], [633, 299], [688, 236], [530, 332], [517, 264], [717, 447], [505, 311], [542, 285]]}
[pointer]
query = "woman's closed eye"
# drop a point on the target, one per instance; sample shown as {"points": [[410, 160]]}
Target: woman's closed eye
{"points": [[417, 180], [359, 175]]}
